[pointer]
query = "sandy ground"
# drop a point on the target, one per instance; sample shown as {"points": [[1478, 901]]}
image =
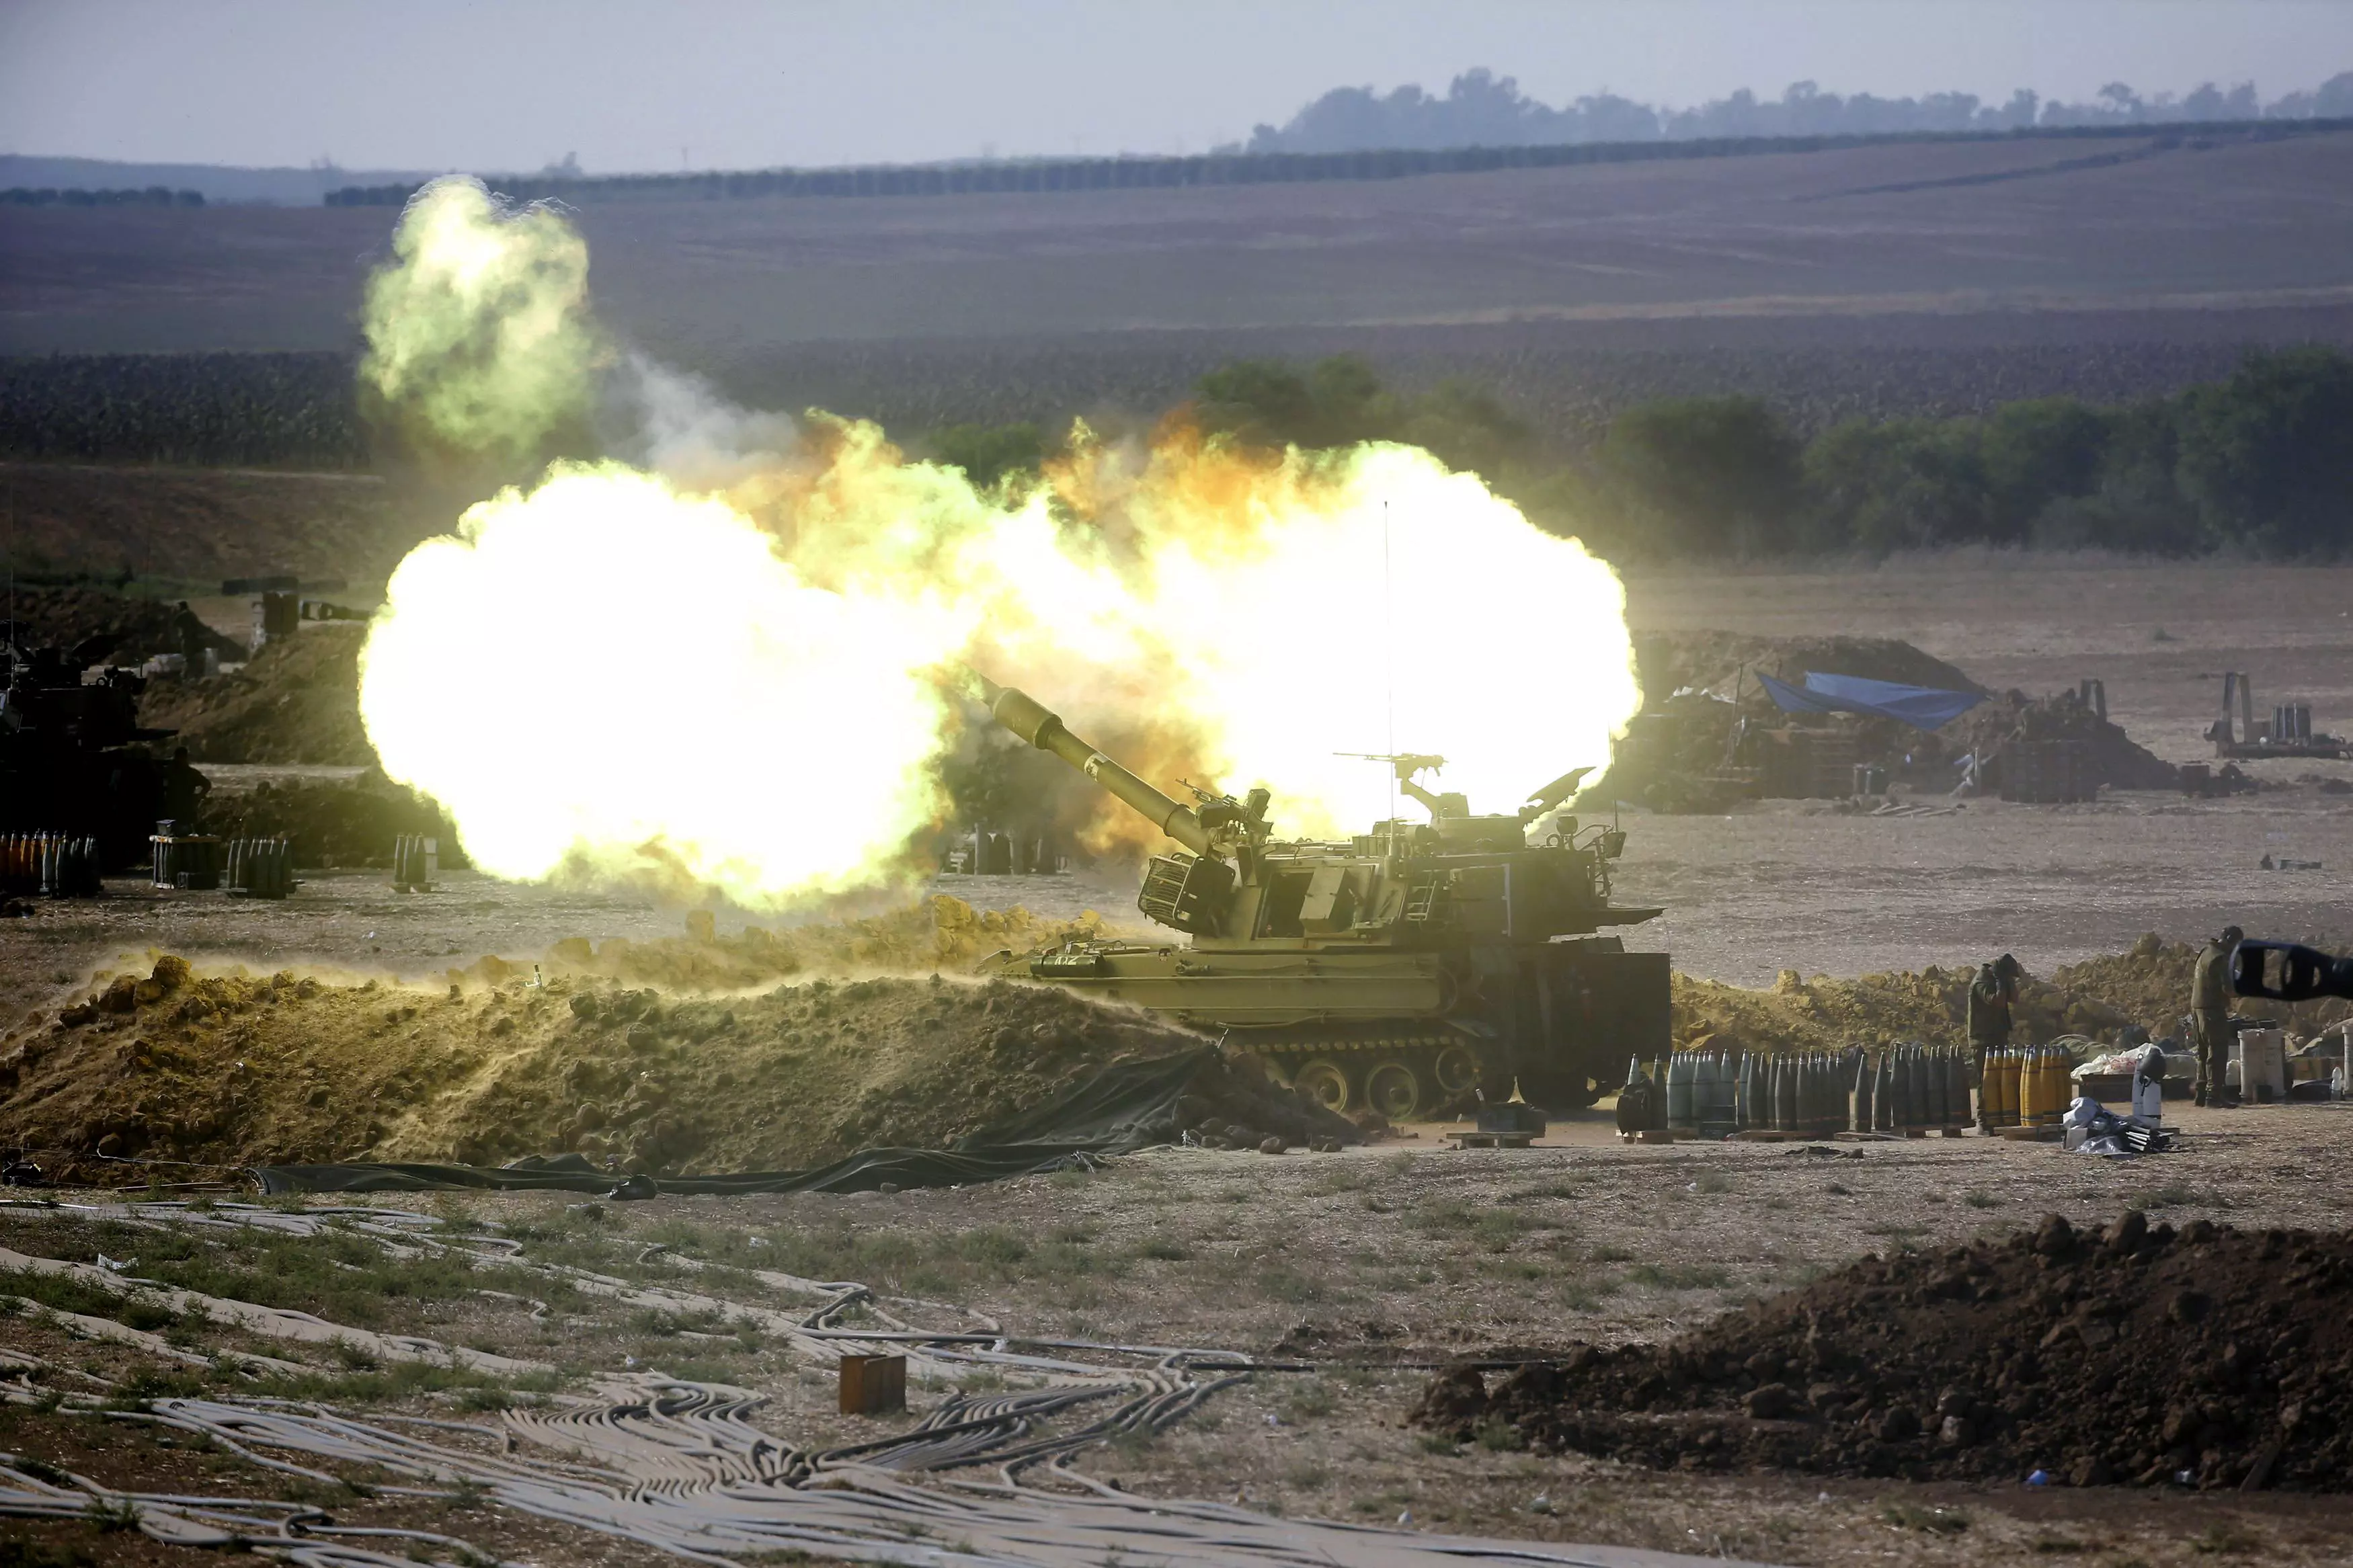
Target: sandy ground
{"points": [[1405, 1254]]}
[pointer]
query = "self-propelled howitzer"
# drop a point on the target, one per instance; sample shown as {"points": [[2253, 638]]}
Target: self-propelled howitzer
{"points": [[1405, 969]]}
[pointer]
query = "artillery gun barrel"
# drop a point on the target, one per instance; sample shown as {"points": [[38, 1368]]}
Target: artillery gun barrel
{"points": [[1029, 719]]}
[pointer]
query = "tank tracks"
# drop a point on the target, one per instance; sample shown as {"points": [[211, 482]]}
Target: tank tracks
{"points": [[1404, 1073]]}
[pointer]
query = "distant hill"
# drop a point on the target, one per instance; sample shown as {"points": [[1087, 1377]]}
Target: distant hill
{"points": [[2211, 226], [215, 181], [1482, 109]]}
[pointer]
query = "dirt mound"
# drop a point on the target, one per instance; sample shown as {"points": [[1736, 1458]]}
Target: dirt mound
{"points": [[2137, 1354], [63, 617], [236, 1069], [2151, 984], [2013, 718], [939, 933], [2097, 999], [1699, 693], [479, 1065], [297, 702], [1929, 1007], [333, 822], [1667, 662]]}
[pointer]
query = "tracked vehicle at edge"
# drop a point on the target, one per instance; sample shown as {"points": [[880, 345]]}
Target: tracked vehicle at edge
{"points": [[1401, 970]]}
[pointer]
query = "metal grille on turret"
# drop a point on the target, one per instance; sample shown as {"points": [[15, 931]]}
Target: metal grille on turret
{"points": [[1186, 892]]}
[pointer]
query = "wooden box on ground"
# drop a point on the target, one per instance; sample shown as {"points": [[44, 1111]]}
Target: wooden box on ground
{"points": [[873, 1384]]}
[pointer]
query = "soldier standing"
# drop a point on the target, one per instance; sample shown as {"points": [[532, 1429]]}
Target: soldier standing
{"points": [[184, 792], [192, 637], [2209, 1014], [1991, 995]]}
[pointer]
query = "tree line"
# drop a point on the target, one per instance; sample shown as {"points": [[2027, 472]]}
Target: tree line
{"points": [[1482, 109], [2262, 460], [1235, 167], [146, 196]]}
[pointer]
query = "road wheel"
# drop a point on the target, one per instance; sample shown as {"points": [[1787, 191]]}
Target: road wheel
{"points": [[1324, 1082], [1456, 1071], [1395, 1090]]}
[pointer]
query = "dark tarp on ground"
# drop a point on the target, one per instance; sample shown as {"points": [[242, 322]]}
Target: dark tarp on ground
{"points": [[1922, 707], [1126, 1107]]}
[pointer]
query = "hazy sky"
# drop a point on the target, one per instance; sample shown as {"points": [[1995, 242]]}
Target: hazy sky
{"points": [[435, 84]]}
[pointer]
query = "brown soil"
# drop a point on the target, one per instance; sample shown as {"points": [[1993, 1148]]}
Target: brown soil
{"points": [[333, 822], [2139, 1353], [686, 1052], [2013, 716], [2096, 999], [63, 617], [232, 1067], [297, 702], [184, 530]]}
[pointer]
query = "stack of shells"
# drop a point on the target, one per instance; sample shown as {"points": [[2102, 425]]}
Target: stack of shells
{"points": [[412, 861], [53, 865], [260, 868], [2030, 1087], [1815, 1094]]}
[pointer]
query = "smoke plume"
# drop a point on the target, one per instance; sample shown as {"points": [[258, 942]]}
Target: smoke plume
{"points": [[729, 659], [478, 333]]}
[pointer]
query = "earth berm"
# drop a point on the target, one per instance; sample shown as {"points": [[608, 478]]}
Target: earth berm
{"points": [[2209, 1356]]}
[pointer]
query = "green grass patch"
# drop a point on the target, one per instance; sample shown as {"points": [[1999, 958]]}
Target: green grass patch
{"points": [[1679, 1276], [1311, 1400], [2227, 1538], [1498, 1436], [402, 1380], [1927, 1520]]}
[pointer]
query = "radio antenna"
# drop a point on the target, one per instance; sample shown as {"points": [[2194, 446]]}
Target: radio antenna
{"points": [[1389, 654]]}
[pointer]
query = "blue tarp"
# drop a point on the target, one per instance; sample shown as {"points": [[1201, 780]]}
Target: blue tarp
{"points": [[1922, 707]]}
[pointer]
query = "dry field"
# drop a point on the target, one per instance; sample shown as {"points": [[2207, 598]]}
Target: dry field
{"points": [[1355, 1270], [182, 530], [1915, 234]]}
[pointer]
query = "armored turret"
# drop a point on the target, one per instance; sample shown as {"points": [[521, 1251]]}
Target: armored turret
{"points": [[72, 759], [1409, 968]]}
